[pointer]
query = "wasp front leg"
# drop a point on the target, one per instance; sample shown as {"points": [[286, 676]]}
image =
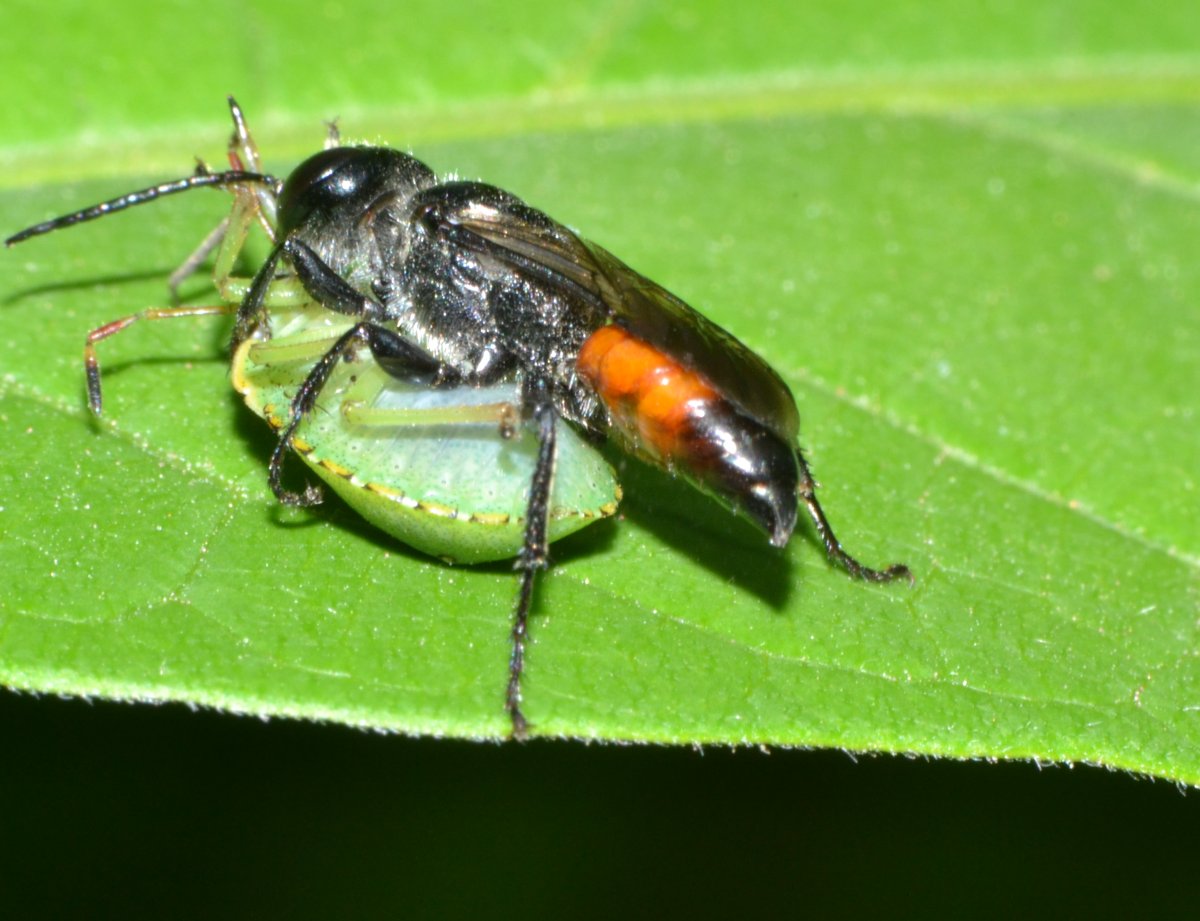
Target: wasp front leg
{"points": [[397, 355]]}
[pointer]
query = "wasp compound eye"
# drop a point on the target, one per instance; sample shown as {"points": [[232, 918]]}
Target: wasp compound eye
{"points": [[345, 181]]}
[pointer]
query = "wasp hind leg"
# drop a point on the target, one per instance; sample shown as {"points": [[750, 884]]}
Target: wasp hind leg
{"points": [[807, 491]]}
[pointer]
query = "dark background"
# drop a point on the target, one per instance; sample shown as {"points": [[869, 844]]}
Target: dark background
{"points": [[119, 810]]}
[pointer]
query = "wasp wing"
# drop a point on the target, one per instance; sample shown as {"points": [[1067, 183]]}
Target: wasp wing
{"points": [[548, 254], [654, 314]]}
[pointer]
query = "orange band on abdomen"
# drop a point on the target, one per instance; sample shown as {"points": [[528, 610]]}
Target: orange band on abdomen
{"points": [[652, 399]]}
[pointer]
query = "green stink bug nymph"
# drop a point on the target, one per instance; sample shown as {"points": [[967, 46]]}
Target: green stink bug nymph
{"points": [[427, 466]]}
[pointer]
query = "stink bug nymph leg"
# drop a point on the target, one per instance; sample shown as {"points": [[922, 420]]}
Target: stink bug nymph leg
{"points": [[228, 237], [509, 419], [91, 364], [196, 258], [445, 357]]}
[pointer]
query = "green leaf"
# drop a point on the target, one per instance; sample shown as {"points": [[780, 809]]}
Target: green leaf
{"points": [[966, 239]]}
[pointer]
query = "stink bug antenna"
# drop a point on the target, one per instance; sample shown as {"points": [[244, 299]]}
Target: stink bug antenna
{"points": [[201, 180]]}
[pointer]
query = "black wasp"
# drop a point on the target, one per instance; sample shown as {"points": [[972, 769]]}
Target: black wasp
{"points": [[459, 283]]}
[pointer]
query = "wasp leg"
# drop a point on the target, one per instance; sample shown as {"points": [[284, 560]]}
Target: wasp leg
{"points": [[395, 354], [534, 554], [321, 283], [252, 309], [302, 404], [386, 346], [398, 356], [833, 547]]}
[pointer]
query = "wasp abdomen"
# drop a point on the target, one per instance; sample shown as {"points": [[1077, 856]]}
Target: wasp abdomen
{"points": [[672, 416]]}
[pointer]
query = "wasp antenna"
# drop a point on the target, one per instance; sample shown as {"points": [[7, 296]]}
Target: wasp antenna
{"points": [[140, 197]]}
